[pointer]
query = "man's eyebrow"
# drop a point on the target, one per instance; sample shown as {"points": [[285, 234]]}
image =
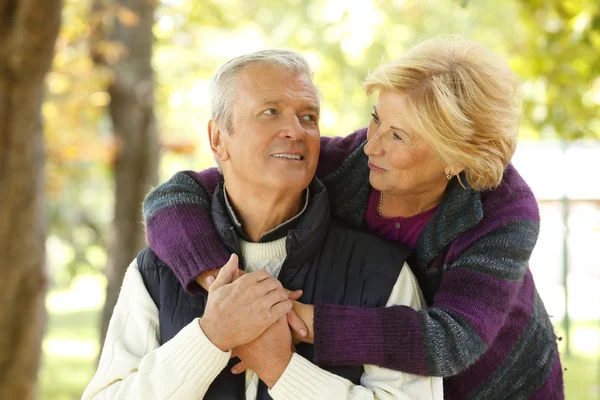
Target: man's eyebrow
{"points": [[270, 103], [315, 109]]}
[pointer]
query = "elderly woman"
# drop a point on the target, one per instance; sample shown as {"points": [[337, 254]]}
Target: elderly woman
{"points": [[437, 156]]}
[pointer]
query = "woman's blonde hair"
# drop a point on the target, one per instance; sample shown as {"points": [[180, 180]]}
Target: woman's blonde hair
{"points": [[462, 99]]}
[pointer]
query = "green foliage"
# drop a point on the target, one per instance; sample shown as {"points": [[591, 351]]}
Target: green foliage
{"points": [[559, 52]]}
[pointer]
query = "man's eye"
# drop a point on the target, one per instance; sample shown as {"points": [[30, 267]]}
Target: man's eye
{"points": [[270, 111], [309, 117], [375, 118]]}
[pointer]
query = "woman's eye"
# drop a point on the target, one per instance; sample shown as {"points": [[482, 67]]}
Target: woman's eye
{"points": [[397, 137], [270, 111], [375, 118], [310, 118]]}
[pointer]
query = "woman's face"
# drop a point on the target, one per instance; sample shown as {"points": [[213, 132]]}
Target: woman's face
{"points": [[401, 162]]}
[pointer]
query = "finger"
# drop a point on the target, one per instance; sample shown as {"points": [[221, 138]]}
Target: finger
{"points": [[280, 309], [257, 276], [210, 278], [269, 285], [296, 323], [274, 297], [294, 295], [238, 274], [239, 368], [225, 275]]}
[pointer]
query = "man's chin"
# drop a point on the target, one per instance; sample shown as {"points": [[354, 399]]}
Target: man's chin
{"points": [[290, 183]]}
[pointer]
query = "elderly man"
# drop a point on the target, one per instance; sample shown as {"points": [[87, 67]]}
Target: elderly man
{"points": [[163, 343]]}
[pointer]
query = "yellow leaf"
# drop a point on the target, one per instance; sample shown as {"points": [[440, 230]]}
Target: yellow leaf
{"points": [[127, 17]]}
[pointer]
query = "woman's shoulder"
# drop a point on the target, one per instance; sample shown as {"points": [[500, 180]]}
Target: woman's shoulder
{"points": [[512, 200], [335, 151]]}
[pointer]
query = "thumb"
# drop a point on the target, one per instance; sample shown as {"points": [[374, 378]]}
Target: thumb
{"points": [[226, 274]]}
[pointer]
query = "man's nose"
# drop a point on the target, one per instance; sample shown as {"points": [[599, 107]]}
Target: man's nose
{"points": [[293, 129]]}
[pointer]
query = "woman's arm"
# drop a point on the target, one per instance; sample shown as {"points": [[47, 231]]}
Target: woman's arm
{"points": [[476, 295], [177, 215], [179, 225]]}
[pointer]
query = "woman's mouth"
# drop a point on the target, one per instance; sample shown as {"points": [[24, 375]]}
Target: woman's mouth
{"points": [[375, 168]]}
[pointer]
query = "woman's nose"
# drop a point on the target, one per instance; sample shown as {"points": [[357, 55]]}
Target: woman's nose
{"points": [[373, 146]]}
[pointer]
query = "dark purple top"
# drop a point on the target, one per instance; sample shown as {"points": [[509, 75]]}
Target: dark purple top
{"points": [[404, 231]]}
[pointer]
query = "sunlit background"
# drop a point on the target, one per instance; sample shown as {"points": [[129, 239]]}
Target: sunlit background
{"points": [[553, 45]]}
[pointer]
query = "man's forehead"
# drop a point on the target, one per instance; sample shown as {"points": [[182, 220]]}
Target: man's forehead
{"points": [[273, 85]]}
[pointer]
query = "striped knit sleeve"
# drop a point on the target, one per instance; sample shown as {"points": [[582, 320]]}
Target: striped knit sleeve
{"points": [[179, 226], [488, 281]]}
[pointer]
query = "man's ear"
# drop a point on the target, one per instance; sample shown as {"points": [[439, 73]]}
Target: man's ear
{"points": [[215, 138]]}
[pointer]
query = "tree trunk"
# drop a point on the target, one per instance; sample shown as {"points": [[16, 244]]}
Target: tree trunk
{"points": [[134, 125], [28, 31]]}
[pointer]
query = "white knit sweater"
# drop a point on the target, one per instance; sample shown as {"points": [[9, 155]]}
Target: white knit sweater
{"points": [[133, 364]]}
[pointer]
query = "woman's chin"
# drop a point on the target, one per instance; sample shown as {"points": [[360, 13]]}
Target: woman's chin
{"points": [[376, 183]]}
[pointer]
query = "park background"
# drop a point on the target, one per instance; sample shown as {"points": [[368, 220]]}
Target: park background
{"points": [[122, 104]]}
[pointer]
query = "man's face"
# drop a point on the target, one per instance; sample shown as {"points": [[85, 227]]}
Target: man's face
{"points": [[274, 138]]}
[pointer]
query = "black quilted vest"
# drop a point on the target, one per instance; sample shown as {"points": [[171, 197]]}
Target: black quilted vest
{"points": [[329, 262]]}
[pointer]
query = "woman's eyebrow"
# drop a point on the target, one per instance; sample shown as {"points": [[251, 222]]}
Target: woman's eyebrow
{"points": [[392, 126]]}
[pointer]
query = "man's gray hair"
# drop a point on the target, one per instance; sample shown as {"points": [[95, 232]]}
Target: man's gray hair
{"points": [[222, 84]]}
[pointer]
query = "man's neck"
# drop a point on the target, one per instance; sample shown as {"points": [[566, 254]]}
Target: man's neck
{"points": [[259, 210]]}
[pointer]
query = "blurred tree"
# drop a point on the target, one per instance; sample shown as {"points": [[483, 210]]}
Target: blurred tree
{"points": [[122, 41], [28, 31], [559, 53]]}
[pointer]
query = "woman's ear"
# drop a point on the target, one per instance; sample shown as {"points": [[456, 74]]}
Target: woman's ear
{"points": [[454, 169], [215, 137]]}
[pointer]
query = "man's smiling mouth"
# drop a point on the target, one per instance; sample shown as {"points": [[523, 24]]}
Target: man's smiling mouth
{"points": [[288, 156]]}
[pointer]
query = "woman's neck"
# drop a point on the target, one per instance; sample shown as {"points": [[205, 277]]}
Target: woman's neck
{"points": [[407, 205]]}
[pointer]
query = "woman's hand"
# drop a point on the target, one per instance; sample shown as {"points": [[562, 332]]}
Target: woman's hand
{"points": [[208, 277], [305, 312]]}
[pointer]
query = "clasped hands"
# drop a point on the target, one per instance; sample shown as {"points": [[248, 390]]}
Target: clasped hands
{"points": [[251, 314]]}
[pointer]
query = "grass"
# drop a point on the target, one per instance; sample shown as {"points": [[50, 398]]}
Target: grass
{"points": [[71, 345]]}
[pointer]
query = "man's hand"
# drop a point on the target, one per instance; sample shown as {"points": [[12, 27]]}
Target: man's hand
{"points": [[270, 353], [299, 327], [238, 312]]}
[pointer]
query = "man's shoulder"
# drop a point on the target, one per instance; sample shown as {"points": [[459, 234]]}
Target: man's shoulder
{"points": [[147, 260], [151, 269]]}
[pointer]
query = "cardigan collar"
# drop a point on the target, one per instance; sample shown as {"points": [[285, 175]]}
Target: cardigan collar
{"points": [[460, 210]]}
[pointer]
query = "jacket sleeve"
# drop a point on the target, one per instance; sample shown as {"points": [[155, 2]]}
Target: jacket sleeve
{"points": [[179, 226], [133, 365], [376, 382], [476, 294]]}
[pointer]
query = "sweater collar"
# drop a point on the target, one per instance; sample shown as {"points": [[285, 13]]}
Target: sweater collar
{"points": [[278, 232], [302, 240], [460, 210]]}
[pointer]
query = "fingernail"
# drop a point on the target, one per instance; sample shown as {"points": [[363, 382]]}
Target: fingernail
{"points": [[210, 280], [235, 370], [302, 332]]}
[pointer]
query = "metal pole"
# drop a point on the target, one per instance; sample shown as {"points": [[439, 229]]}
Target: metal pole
{"points": [[566, 320]]}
